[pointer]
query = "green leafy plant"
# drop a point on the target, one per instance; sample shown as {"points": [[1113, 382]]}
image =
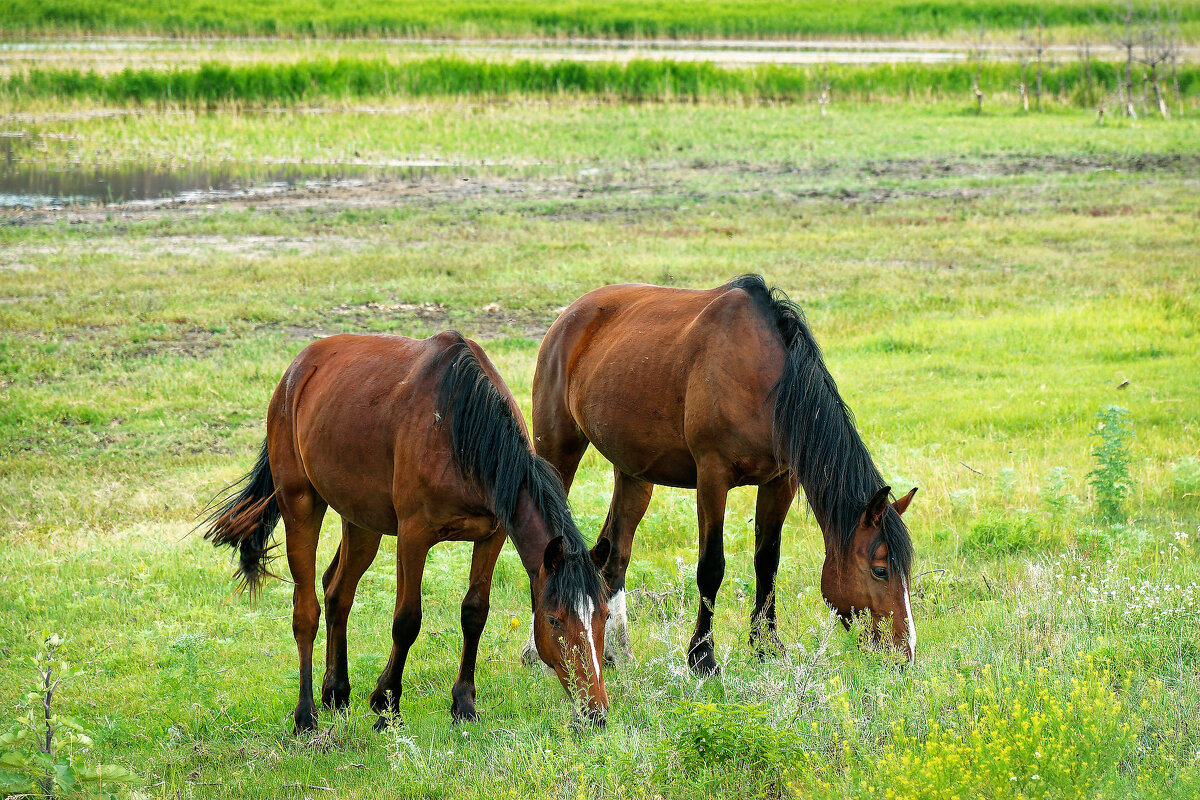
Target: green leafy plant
{"points": [[1110, 479], [1006, 482], [43, 753], [734, 735], [1185, 479], [1056, 499]]}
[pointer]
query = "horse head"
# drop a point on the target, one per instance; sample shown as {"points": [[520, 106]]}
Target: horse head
{"points": [[568, 625], [868, 577]]}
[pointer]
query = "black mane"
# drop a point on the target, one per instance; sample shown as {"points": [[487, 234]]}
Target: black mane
{"points": [[814, 431], [491, 448]]}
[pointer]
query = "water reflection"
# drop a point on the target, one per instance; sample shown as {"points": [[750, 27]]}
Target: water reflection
{"points": [[33, 185], [25, 184]]}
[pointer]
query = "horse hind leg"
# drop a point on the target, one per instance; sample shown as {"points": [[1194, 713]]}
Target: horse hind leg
{"points": [[303, 510], [771, 508], [354, 556], [712, 487]]}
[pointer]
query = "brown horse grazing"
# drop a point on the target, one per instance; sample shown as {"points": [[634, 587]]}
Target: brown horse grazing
{"points": [[711, 390], [420, 440]]}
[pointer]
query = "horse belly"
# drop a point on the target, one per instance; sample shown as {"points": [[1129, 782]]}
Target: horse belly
{"points": [[665, 461], [359, 497]]}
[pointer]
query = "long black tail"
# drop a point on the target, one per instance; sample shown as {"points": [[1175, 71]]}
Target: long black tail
{"points": [[814, 429], [490, 446], [244, 521]]}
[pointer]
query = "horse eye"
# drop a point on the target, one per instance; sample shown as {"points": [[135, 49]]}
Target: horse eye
{"points": [[880, 572], [555, 623]]}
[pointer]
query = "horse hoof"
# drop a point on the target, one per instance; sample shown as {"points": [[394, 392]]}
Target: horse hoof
{"points": [[336, 698], [385, 722], [465, 714], [703, 664], [304, 722], [766, 648]]}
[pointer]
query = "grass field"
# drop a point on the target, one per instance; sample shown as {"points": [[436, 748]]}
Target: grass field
{"points": [[983, 286], [661, 18]]}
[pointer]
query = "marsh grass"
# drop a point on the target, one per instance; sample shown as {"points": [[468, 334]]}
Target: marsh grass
{"points": [[312, 81]]}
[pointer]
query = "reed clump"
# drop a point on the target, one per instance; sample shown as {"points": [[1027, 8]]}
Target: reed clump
{"points": [[633, 81]]}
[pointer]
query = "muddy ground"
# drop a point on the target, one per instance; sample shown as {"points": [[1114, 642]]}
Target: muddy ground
{"points": [[629, 191]]}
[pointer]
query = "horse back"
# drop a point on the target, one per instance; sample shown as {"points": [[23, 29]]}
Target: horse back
{"points": [[659, 378], [355, 417]]}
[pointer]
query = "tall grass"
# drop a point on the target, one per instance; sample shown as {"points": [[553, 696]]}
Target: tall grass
{"points": [[624, 18], [636, 80]]}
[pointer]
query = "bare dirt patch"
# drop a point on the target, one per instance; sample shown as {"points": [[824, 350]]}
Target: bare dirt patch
{"points": [[633, 192], [490, 322]]}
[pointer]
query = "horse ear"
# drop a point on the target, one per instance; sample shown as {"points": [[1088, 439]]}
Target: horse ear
{"points": [[601, 552], [873, 516], [554, 554], [901, 505]]}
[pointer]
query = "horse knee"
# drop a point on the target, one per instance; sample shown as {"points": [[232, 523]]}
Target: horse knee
{"points": [[474, 612], [405, 628], [710, 572]]}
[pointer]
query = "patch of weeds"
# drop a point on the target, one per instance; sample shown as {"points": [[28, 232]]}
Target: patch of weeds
{"points": [[1185, 479], [1006, 483], [1056, 500], [1110, 478], [188, 647], [44, 753], [1052, 737], [1008, 533], [734, 743], [962, 500]]}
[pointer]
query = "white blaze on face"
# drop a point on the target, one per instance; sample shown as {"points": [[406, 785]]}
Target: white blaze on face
{"points": [[912, 629], [585, 610]]}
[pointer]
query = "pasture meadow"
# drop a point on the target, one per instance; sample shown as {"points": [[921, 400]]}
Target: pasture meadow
{"points": [[983, 286]]}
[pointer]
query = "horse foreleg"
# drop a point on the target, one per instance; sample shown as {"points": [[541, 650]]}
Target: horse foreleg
{"points": [[355, 554], [771, 508], [631, 498], [712, 486], [406, 624], [302, 512], [474, 616]]}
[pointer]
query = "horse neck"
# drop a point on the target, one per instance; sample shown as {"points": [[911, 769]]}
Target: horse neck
{"points": [[827, 520], [530, 535]]}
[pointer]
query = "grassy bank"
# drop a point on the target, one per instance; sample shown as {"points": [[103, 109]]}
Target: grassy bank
{"points": [[348, 78], [661, 18]]}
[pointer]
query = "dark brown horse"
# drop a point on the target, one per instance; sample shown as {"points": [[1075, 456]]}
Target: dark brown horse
{"points": [[710, 390], [420, 440]]}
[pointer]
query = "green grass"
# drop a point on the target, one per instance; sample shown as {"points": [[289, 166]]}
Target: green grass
{"points": [[662, 18], [981, 286], [310, 81]]}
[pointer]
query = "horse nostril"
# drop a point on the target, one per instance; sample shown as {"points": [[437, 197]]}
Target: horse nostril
{"points": [[598, 718]]}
